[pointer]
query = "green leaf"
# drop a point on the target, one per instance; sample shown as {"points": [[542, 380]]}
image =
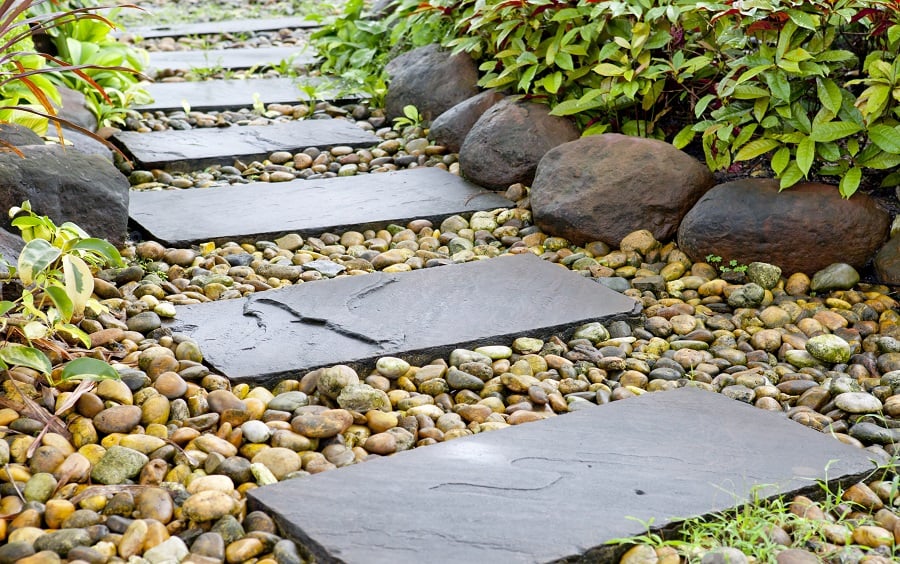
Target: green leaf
{"points": [[881, 161], [35, 257], [553, 82], [779, 85], [6, 305], [756, 148], [802, 19], [35, 330], [806, 153], [684, 137], [75, 332], [850, 182], [598, 128], [791, 176], [829, 94], [832, 131], [79, 282], [105, 249], [780, 160], [87, 368], [887, 138], [607, 69], [62, 302], [30, 357]]}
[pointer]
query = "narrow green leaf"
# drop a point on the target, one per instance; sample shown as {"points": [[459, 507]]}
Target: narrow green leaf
{"points": [[887, 138], [30, 357], [684, 137], [829, 94], [806, 153], [791, 176], [607, 69], [850, 182], [62, 302], [756, 148], [832, 131], [87, 368], [780, 160], [779, 85], [36, 256]]}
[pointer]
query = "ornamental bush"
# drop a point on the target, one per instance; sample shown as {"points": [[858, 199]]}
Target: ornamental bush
{"points": [[812, 85]]}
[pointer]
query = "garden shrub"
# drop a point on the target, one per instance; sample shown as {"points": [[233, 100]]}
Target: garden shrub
{"points": [[815, 85]]}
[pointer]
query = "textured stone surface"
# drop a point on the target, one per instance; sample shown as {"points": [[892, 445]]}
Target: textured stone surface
{"points": [[195, 149], [802, 229], [508, 140], [887, 262], [557, 489], [307, 207], [356, 319], [66, 186], [233, 59], [451, 127], [232, 94], [19, 135], [211, 28], [430, 79], [603, 187]]}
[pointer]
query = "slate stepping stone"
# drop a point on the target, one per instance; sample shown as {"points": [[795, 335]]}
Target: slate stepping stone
{"points": [[307, 207], [418, 315], [230, 59], [184, 151], [558, 489], [220, 95], [211, 28]]}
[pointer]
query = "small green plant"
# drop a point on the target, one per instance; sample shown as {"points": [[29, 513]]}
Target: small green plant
{"points": [[731, 266], [410, 118]]}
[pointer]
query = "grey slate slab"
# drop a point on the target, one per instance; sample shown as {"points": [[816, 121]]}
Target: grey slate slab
{"points": [[232, 94], [418, 315], [195, 149], [233, 59], [307, 207], [230, 26], [558, 489]]}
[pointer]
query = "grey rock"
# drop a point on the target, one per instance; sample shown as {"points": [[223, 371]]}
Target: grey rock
{"points": [[288, 401], [62, 541], [237, 25], [837, 276], [858, 402], [172, 549], [362, 398], [829, 348], [871, 433], [603, 187], [230, 59], [763, 274], [615, 283], [117, 465], [509, 140], [430, 79], [19, 135], [451, 127], [749, 295], [327, 268]]}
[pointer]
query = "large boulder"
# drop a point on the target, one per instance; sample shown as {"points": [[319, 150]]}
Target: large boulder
{"points": [[603, 187], [451, 127], [803, 229], [887, 262], [431, 79], [18, 135], [508, 140], [66, 186], [10, 247]]}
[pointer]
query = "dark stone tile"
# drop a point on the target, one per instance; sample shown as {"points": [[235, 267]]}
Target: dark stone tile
{"points": [[308, 207], [417, 315], [195, 149], [210, 28], [557, 490], [229, 59], [218, 95]]}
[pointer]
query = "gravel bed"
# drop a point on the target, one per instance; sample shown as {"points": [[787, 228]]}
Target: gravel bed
{"points": [[280, 38]]}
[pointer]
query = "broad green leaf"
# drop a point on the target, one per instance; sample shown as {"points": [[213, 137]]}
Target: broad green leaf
{"points": [[832, 131], [79, 282], [30, 357], [780, 160], [61, 300], [553, 82], [806, 153], [893, 33], [829, 94], [87, 368], [779, 85], [850, 182], [749, 92], [684, 137], [791, 176], [893, 179], [598, 128], [75, 332], [829, 151], [802, 19], [607, 69], [6, 305], [36, 256], [881, 161], [887, 138], [35, 330], [756, 148]]}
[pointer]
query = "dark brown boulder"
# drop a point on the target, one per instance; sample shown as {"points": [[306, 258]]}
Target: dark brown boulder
{"points": [[508, 141], [431, 79], [887, 262], [603, 187], [451, 127], [802, 229], [66, 186]]}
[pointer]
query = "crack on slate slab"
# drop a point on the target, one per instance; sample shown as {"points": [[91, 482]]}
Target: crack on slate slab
{"points": [[466, 487], [339, 318]]}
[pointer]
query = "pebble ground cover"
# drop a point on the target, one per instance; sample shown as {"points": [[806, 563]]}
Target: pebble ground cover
{"points": [[155, 467]]}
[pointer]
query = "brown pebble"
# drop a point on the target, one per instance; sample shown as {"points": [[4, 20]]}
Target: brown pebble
{"points": [[118, 419]]}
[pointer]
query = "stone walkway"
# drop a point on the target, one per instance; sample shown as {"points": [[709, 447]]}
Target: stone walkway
{"points": [[547, 491]]}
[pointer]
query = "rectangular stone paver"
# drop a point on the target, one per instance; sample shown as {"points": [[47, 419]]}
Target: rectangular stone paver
{"points": [[308, 207], [211, 28], [418, 315], [195, 149], [219, 95], [556, 490], [230, 59]]}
